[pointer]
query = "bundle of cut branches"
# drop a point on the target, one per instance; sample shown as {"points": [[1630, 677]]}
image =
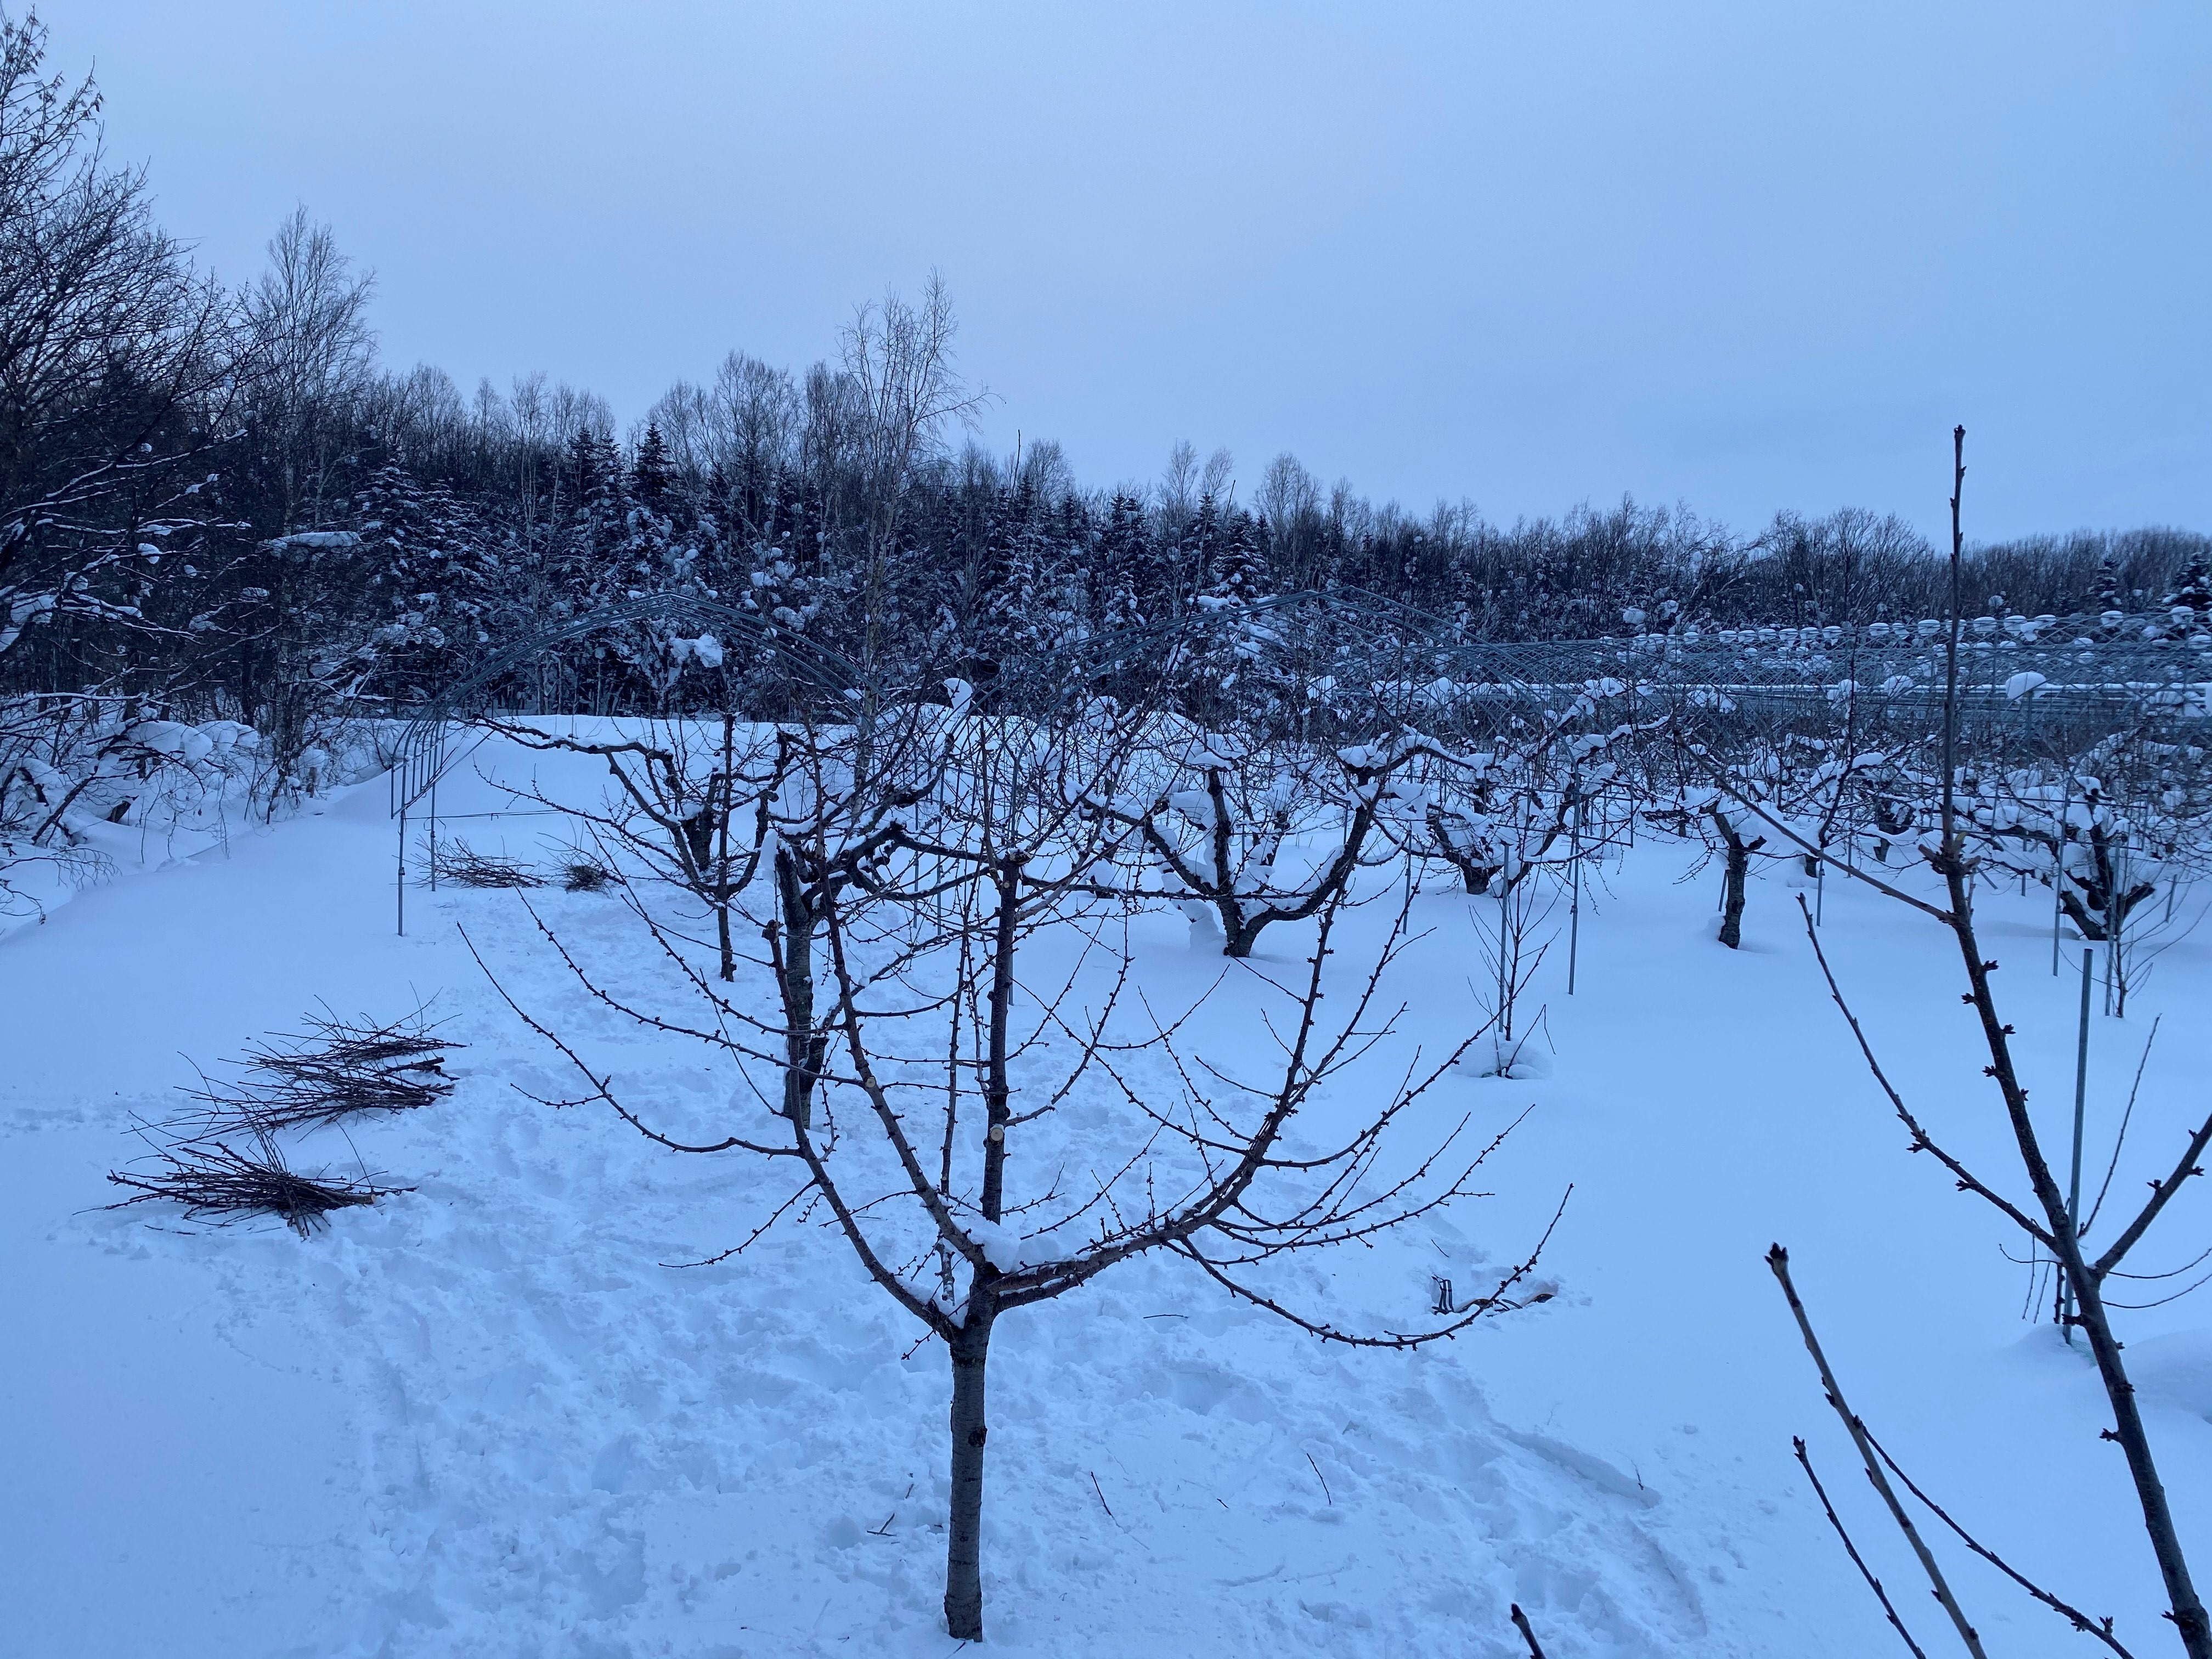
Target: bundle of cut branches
{"points": [[335, 1068], [219, 1184], [582, 876], [457, 862]]}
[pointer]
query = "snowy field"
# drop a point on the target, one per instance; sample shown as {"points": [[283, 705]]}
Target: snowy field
{"points": [[484, 1417]]}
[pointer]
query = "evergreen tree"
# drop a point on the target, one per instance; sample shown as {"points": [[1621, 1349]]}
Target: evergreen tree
{"points": [[652, 474], [785, 600], [600, 557], [587, 557], [1018, 605], [2108, 595], [1240, 572], [1131, 577], [433, 576], [1041, 612], [2195, 590], [1201, 539]]}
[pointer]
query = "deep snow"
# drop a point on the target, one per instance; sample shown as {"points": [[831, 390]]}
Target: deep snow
{"points": [[482, 1419]]}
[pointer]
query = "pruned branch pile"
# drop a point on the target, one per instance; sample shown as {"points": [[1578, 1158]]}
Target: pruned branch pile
{"points": [[333, 1070], [219, 1184]]}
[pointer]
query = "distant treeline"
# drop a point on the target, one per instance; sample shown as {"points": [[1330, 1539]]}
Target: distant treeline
{"points": [[219, 498]]}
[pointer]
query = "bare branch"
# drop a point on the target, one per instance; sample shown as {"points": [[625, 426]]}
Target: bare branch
{"points": [[2161, 1194], [1889, 1612], [2100, 1628], [1922, 1140], [1778, 1259]]}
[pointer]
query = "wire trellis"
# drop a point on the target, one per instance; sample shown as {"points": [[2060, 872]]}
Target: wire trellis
{"points": [[1364, 662]]}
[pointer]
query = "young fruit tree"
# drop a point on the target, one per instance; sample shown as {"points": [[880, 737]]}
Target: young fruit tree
{"points": [[2035, 1197], [688, 801], [1215, 822], [1541, 791], [1518, 825], [942, 1023]]}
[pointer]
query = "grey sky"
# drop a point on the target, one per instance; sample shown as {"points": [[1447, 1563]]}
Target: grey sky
{"points": [[1741, 255]]}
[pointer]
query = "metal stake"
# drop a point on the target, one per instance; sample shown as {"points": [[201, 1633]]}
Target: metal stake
{"points": [[2116, 966], [1575, 899]]}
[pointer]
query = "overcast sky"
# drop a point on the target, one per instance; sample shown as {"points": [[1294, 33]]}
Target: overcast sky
{"points": [[1744, 256]]}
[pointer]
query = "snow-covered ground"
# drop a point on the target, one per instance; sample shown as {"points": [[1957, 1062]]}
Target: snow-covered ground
{"points": [[484, 1417]]}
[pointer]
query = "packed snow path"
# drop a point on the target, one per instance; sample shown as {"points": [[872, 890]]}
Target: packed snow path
{"points": [[482, 1419]]}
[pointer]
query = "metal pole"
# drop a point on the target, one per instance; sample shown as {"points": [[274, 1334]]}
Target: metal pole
{"points": [[2116, 963], [1819, 892], [1505, 974], [1575, 901], [2081, 1098], [433, 834], [399, 886]]}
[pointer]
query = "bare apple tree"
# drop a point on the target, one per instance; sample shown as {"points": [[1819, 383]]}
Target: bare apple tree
{"points": [[1218, 823], [687, 804], [945, 1000]]}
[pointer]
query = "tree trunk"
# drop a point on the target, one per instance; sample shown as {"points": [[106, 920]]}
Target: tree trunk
{"points": [[2092, 925], [971, 1346], [2189, 1615], [803, 1046], [1237, 942], [724, 792], [964, 1545], [998, 1090], [1738, 863], [1739, 851]]}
